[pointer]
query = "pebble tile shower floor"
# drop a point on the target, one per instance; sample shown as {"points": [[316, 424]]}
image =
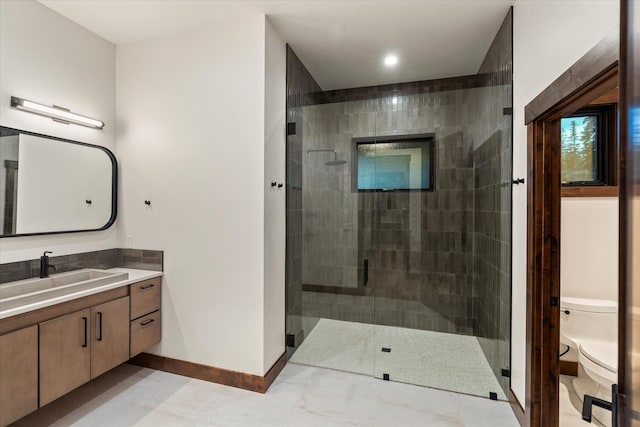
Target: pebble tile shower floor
{"points": [[434, 359]]}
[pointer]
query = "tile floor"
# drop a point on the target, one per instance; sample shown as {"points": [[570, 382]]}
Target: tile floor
{"points": [[300, 396]]}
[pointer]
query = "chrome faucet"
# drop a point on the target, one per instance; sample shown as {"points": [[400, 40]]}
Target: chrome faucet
{"points": [[44, 265]]}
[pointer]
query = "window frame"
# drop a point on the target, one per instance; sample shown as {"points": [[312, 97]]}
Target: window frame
{"points": [[429, 141], [606, 140]]}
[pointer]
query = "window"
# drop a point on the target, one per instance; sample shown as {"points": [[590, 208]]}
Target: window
{"points": [[393, 163], [587, 146]]}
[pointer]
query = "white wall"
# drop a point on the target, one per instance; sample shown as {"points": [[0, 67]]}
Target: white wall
{"points": [[200, 135], [589, 247], [47, 58], [549, 36], [191, 136], [274, 199]]}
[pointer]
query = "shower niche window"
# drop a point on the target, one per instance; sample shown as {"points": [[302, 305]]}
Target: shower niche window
{"points": [[393, 163]]}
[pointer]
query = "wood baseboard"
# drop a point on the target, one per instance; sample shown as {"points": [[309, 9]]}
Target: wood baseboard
{"points": [[274, 371], [568, 368], [212, 374], [517, 409]]}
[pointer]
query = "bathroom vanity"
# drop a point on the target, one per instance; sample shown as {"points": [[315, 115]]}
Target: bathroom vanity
{"points": [[61, 332]]}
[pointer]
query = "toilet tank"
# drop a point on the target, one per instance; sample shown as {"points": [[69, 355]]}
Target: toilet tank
{"points": [[587, 319]]}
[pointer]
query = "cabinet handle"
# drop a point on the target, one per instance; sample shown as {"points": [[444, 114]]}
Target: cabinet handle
{"points": [[147, 286], [146, 322], [84, 321], [99, 326]]}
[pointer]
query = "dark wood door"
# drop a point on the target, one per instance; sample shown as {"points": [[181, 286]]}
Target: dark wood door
{"points": [[18, 374], [65, 354], [629, 357], [109, 335]]}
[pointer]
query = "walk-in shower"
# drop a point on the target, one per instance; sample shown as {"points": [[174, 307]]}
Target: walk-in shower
{"points": [[399, 227]]}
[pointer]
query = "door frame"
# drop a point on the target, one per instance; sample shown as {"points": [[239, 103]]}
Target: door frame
{"points": [[590, 77]]}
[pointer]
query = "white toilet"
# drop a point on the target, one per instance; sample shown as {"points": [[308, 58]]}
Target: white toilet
{"points": [[590, 328]]}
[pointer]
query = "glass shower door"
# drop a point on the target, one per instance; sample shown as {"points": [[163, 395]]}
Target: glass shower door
{"points": [[336, 300], [439, 248], [404, 223]]}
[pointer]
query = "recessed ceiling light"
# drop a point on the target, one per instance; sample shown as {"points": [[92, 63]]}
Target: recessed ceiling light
{"points": [[390, 60]]}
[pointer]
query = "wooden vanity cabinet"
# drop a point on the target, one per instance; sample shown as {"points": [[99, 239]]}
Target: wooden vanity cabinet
{"points": [[18, 374], [81, 346], [109, 335], [146, 327], [65, 354], [46, 353]]}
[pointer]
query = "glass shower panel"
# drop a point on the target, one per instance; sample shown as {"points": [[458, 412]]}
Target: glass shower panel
{"points": [[502, 309], [337, 305], [423, 274], [438, 252]]}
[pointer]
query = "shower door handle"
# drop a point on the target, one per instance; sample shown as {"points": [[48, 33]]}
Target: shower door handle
{"points": [[365, 272]]}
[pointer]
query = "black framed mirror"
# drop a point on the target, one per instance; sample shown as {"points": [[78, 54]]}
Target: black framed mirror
{"points": [[51, 185]]}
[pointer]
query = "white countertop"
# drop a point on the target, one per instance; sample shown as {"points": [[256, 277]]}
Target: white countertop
{"points": [[134, 276]]}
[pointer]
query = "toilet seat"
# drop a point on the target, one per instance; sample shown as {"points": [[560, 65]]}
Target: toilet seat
{"points": [[604, 354], [600, 359]]}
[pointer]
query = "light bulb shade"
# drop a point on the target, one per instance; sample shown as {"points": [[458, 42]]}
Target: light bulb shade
{"points": [[56, 113]]}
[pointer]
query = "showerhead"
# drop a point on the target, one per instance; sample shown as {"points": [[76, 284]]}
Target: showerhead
{"points": [[336, 162]]}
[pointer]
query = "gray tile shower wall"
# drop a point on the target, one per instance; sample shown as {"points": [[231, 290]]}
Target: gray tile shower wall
{"points": [[492, 136], [302, 90], [329, 222], [418, 244], [418, 248], [104, 259], [408, 88]]}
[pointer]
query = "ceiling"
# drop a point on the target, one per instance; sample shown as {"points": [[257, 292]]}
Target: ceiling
{"points": [[342, 42]]}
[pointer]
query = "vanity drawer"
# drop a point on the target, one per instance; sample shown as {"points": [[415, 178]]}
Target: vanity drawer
{"points": [[145, 297], [145, 332]]}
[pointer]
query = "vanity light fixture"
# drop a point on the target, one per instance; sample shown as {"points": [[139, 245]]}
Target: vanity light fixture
{"points": [[58, 114]]}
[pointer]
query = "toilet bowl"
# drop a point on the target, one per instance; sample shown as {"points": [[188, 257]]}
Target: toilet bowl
{"points": [[600, 361], [589, 327]]}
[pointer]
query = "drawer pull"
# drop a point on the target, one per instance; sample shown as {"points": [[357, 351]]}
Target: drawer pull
{"points": [[151, 285], [146, 322]]}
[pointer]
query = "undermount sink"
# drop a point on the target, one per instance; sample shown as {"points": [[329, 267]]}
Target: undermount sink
{"points": [[24, 292]]}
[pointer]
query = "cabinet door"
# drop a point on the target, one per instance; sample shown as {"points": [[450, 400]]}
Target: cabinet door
{"points": [[18, 374], [109, 335], [65, 354]]}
